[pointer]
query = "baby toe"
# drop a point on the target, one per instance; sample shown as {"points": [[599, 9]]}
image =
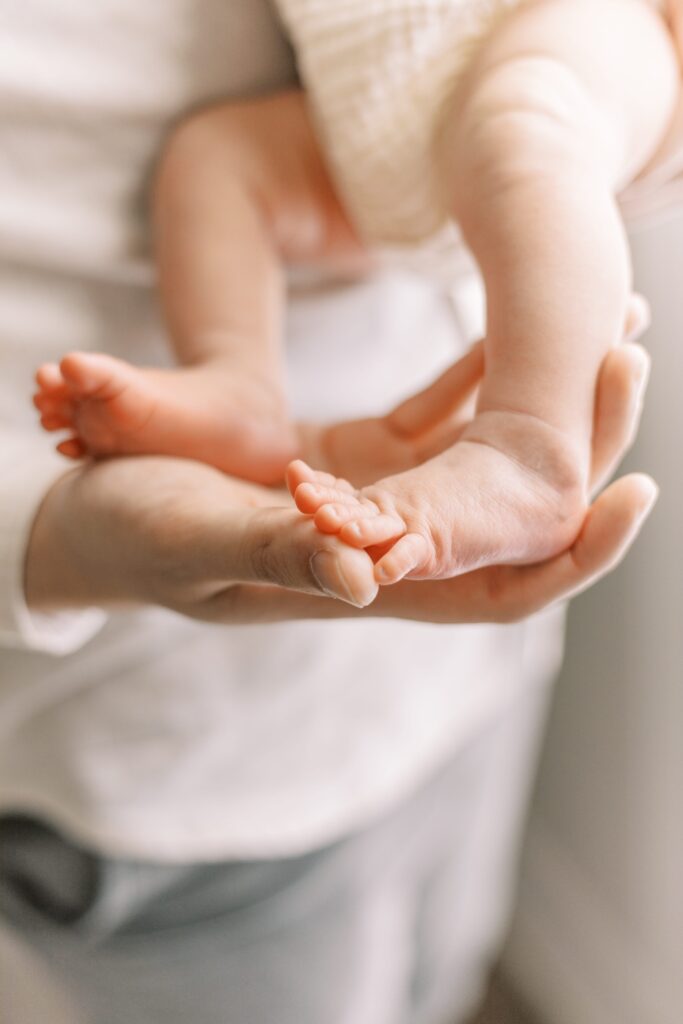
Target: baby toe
{"points": [[337, 483], [299, 472], [54, 405], [49, 378], [76, 369], [407, 554], [53, 421], [96, 375], [371, 530], [331, 517], [44, 402], [73, 448], [309, 497]]}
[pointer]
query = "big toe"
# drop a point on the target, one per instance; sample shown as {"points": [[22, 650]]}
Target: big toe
{"points": [[90, 373], [300, 473]]}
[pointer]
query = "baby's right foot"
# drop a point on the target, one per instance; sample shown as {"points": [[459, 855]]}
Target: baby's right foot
{"points": [[214, 413], [510, 491]]}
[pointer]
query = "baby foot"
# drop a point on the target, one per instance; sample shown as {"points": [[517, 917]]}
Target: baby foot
{"points": [[510, 491], [215, 413]]}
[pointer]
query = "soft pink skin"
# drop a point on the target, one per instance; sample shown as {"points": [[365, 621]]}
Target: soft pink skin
{"points": [[542, 132], [241, 188], [185, 536], [544, 129], [231, 420], [401, 537], [479, 503]]}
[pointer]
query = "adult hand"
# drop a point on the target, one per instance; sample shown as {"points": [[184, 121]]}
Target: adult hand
{"points": [[509, 593], [184, 536], [365, 450]]}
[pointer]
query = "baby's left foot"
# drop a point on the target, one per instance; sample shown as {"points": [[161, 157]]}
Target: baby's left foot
{"points": [[512, 490]]}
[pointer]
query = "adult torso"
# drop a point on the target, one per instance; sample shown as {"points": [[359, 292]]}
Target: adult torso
{"points": [[162, 737]]}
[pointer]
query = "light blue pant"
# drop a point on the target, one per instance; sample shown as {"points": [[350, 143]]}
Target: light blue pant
{"points": [[395, 925]]}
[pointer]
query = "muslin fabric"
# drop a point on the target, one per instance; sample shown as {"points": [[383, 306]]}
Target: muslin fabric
{"points": [[380, 75]]}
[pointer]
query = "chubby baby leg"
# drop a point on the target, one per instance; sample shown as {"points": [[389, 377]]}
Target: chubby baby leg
{"points": [[216, 413]]}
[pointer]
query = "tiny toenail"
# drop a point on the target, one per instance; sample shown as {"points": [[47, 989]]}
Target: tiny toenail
{"points": [[355, 530], [382, 574]]}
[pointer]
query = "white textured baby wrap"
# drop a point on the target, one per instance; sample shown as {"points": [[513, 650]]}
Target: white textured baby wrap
{"points": [[379, 74]]}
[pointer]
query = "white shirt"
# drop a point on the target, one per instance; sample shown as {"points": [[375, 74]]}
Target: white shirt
{"points": [[149, 735]]}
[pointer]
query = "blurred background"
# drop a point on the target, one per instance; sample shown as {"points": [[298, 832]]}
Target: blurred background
{"points": [[597, 935]]}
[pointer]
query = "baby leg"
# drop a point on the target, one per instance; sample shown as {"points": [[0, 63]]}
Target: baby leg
{"points": [[240, 188]]}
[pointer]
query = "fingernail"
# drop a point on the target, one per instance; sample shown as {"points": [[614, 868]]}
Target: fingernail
{"points": [[642, 368], [328, 574], [642, 377], [643, 319], [652, 498]]}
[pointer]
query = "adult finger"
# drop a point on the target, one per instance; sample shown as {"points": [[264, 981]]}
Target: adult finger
{"points": [[638, 317], [280, 546], [611, 526], [618, 406], [622, 383], [444, 396]]}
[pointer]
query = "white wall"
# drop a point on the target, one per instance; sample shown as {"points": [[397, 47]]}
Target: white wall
{"points": [[598, 936]]}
